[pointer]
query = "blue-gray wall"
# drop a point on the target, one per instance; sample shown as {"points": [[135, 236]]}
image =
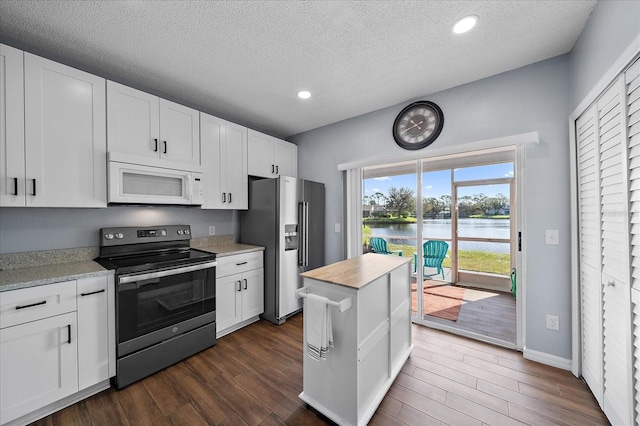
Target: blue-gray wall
{"points": [[33, 229], [533, 98], [612, 26]]}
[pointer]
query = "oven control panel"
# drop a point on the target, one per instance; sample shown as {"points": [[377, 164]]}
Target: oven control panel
{"points": [[153, 233], [134, 235]]}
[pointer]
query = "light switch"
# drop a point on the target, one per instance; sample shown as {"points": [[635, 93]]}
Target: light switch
{"points": [[337, 227], [552, 237]]}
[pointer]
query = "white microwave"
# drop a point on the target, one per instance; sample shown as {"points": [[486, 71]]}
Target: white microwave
{"points": [[138, 184]]}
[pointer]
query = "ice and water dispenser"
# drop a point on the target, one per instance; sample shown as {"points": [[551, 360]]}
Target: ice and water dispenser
{"points": [[291, 236]]}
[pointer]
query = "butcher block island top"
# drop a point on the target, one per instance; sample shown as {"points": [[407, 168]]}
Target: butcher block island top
{"points": [[358, 271]]}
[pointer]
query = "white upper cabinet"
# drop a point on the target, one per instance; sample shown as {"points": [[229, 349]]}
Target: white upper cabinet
{"points": [[147, 126], [12, 172], [224, 159], [271, 157], [53, 143], [65, 136]]}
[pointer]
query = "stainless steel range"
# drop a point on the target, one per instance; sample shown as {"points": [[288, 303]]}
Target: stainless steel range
{"points": [[165, 298]]}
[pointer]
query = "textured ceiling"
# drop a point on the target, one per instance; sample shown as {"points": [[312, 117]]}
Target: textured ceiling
{"points": [[246, 60]]}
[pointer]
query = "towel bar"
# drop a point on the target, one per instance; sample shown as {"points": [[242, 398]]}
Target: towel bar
{"points": [[342, 305]]}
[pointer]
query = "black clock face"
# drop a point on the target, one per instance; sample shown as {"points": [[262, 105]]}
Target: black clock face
{"points": [[418, 125]]}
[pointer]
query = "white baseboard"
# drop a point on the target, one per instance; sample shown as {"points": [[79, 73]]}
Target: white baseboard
{"points": [[548, 359]]}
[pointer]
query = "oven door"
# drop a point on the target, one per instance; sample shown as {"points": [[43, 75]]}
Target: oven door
{"points": [[159, 305]]}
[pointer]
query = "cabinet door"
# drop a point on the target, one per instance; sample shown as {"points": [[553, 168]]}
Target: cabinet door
{"points": [[228, 301], [286, 158], [65, 135], [93, 331], [12, 182], [179, 133], [212, 132], [133, 121], [260, 155], [252, 293], [38, 364], [234, 171]]}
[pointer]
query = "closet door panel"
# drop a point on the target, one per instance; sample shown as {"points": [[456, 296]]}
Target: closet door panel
{"points": [[632, 84], [615, 255], [589, 225], [635, 299]]}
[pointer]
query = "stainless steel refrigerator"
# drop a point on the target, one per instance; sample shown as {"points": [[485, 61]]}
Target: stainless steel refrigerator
{"points": [[286, 217]]}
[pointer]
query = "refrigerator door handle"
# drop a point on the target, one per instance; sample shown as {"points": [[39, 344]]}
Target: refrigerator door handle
{"points": [[306, 234], [301, 241]]}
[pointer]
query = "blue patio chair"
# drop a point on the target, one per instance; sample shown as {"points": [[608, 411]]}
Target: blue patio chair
{"points": [[379, 245], [433, 253]]}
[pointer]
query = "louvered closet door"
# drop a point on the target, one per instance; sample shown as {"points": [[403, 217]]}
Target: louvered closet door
{"points": [[589, 226], [617, 401], [632, 85]]}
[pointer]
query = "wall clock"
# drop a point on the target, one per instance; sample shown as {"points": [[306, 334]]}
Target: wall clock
{"points": [[418, 125]]}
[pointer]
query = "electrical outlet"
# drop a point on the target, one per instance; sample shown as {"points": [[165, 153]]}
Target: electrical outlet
{"points": [[212, 230], [553, 322]]}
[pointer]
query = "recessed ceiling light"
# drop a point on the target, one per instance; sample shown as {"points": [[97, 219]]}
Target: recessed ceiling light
{"points": [[464, 24], [304, 94]]}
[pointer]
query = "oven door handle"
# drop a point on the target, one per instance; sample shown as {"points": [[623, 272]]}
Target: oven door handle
{"points": [[165, 273]]}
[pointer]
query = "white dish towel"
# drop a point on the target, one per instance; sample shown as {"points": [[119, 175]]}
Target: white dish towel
{"points": [[317, 322]]}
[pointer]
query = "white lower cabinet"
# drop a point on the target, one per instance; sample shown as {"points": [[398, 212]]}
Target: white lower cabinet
{"points": [[38, 364], [93, 336], [56, 346], [239, 291]]}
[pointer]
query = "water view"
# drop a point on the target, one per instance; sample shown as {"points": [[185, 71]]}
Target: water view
{"points": [[405, 234]]}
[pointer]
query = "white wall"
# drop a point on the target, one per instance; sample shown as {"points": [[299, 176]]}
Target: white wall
{"points": [[532, 98], [33, 229]]}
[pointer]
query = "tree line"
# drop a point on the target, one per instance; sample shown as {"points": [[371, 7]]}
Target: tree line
{"points": [[402, 201]]}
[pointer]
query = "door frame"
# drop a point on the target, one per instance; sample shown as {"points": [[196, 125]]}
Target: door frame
{"points": [[455, 238]]}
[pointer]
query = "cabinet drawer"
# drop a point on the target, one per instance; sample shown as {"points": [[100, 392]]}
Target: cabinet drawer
{"points": [[34, 303], [237, 263]]}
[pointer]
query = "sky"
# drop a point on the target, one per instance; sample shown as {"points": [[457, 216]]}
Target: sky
{"points": [[438, 183]]}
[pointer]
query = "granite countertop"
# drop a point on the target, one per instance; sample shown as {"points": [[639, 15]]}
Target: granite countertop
{"points": [[229, 249], [13, 279], [358, 271], [31, 269]]}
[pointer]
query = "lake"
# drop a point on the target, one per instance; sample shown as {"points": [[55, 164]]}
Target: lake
{"points": [[441, 229]]}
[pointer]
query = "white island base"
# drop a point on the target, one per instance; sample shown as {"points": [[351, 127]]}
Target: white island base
{"points": [[372, 337]]}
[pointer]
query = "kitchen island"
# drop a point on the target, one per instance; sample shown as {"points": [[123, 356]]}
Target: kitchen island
{"points": [[371, 323]]}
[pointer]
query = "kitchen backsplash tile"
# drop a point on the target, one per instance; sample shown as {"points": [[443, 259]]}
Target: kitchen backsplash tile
{"points": [[213, 240]]}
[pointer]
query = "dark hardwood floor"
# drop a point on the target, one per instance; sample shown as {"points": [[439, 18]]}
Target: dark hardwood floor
{"points": [[254, 376]]}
